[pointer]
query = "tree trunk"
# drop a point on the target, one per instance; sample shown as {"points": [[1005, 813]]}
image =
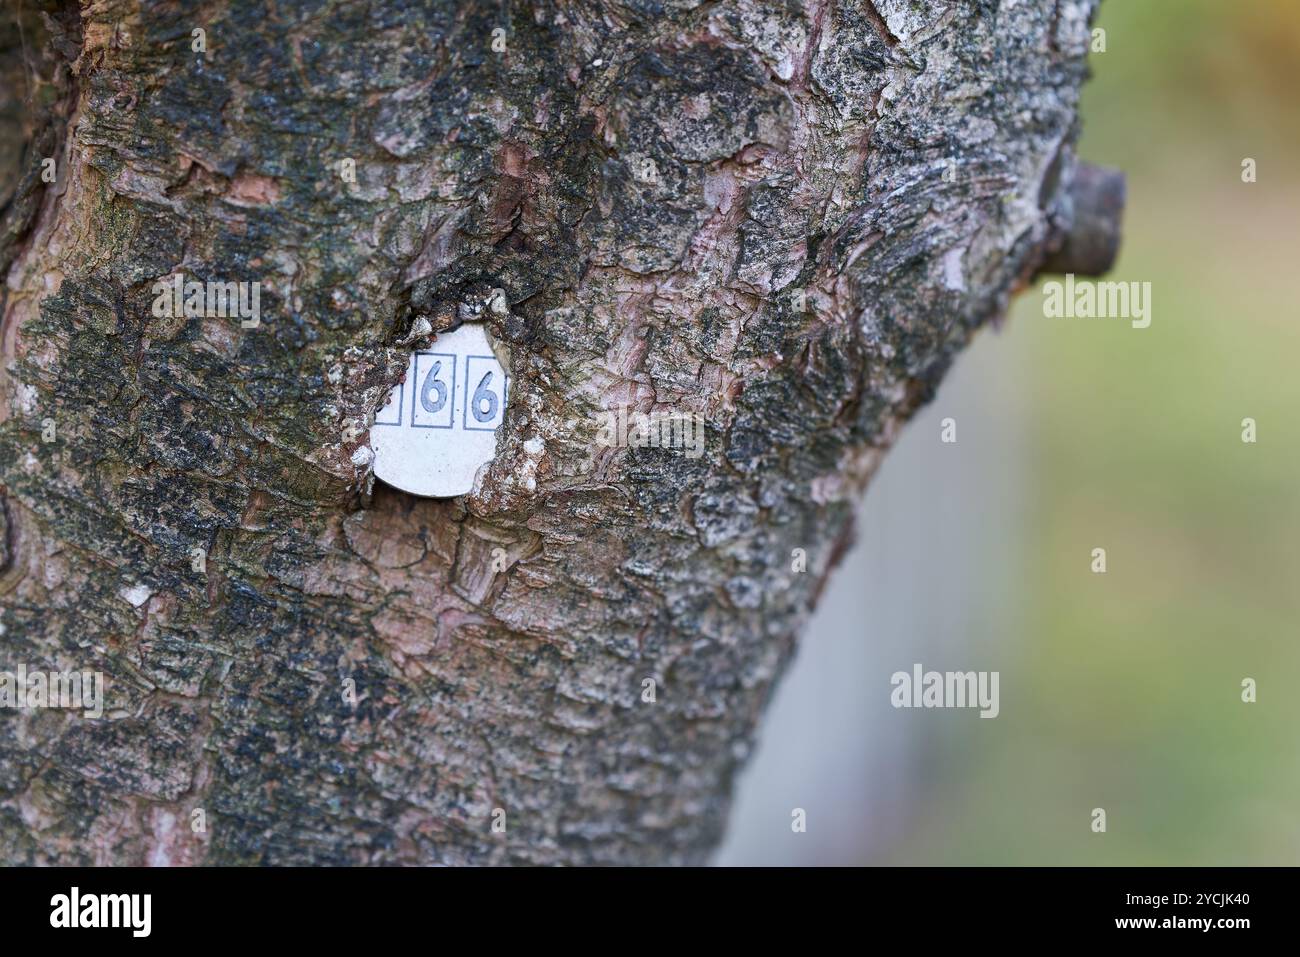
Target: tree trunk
{"points": [[786, 217]]}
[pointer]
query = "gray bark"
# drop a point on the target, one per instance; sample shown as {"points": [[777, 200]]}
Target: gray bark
{"points": [[652, 184]]}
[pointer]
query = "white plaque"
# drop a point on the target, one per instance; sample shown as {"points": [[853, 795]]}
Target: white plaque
{"points": [[439, 426]]}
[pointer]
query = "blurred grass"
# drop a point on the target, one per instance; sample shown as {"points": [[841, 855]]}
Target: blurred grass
{"points": [[1124, 690]]}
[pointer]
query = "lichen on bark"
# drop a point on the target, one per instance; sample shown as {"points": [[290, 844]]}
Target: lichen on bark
{"points": [[786, 217]]}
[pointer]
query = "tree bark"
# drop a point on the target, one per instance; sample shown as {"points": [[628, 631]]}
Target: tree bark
{"points": [[787, 217]]}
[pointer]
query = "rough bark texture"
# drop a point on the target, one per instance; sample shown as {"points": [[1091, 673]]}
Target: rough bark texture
{"points": [[903, 162]]}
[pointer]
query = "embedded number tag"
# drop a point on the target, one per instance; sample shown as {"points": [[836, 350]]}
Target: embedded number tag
{"points": [[439, 426]]}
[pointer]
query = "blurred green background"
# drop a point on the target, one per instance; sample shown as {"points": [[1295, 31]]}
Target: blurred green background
{"points": [[1132, 678], [1122, 690]]}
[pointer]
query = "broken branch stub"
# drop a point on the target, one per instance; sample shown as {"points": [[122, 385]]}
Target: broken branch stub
{"points": [[1091, 245]]}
